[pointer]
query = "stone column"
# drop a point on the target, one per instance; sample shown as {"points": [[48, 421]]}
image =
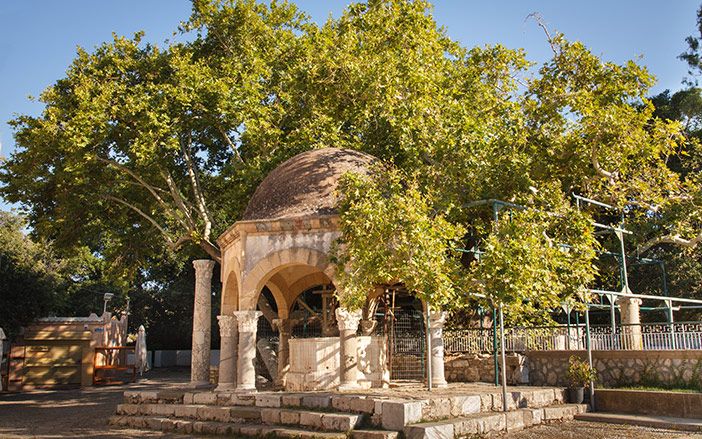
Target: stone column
{"points": [[436, 327], [348, 347], [246, 371], [631, 322], [284, 327], [202, 323], [229, 336]]}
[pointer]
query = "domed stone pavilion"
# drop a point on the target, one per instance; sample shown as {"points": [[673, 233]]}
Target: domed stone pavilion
{"points": [[275, 264]]}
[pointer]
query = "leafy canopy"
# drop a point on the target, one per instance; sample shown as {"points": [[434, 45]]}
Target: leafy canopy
{"points": [[389, 235], [142, 151]]}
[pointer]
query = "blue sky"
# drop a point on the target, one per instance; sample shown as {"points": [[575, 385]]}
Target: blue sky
{"points": [[38, 38]]}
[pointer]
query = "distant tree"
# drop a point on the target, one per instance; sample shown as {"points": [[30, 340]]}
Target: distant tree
{"points": [[30, 276]]}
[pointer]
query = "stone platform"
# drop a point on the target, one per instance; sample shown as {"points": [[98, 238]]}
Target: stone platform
{"points": [[412, 411]]}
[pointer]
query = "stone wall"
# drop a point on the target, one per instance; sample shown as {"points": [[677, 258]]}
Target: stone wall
{"points": [[468, 368], [620, 368]]}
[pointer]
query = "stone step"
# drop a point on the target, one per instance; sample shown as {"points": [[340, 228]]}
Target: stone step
{"points": [[328, 421], [490, 422], [200, 412], [225, 429]]}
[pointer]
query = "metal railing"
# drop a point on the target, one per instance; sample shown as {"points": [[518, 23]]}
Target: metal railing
{"points": [[646, 336]]}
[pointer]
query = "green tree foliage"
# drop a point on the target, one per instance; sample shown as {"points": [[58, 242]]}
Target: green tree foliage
{"points": [[29, 275], [389, 235], [535, 259], [141, 150], [36, 282]]}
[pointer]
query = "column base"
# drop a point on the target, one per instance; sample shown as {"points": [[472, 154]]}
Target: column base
{"points": [[349, 386], [245, 389], [440, 384], [199, 384], [225, 387]]}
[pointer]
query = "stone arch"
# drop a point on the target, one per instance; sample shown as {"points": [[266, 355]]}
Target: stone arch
{"points": [[306, 282], [272, 263], [277, 288], [230, 290]]}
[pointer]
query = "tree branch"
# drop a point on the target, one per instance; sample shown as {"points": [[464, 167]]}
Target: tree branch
{"points": [[233, 147], [152, 189], [670, 239], [195, 183], [142, 214], [178, 199], [610, 176]]}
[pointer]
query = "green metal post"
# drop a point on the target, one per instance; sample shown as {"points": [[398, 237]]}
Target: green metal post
{"points": [[494, 345]]}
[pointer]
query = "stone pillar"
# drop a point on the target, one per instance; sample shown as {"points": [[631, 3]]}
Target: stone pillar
{"points": [[229, 336], [348, 347], [246, 371], [436, 327], [284, 327], [202, 323], [631, 322]]}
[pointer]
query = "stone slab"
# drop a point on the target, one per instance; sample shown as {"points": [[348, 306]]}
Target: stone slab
{"points": [[430, 430], [664, 422], [397, 414]]}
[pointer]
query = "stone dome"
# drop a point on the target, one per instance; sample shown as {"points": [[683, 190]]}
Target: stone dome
{"points": [[305, 184]]}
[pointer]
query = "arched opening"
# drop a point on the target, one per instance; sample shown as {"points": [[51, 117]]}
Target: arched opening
{"points": [[293, 298]]}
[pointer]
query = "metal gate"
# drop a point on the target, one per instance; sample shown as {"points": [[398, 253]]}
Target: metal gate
{"points": [[406, 344]]}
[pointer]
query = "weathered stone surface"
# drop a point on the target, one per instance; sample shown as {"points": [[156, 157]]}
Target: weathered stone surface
{"points": [[268, 400], [289, 417], [311, 419], [397, 414], [465, 405], [127, 409], [342, 402], [339, 421], [436, 408], [465, 426], [316, 401], [558, 412], [374, 434], [213, 413], [270, 416], [291, 400], [202, 323], [431, 430], [183, 426], [362, 405], [205, 398], [514, 420], [245, 413], [187, 411], [491, 422]]}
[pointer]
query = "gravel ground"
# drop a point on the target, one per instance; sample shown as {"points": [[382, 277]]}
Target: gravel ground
{"points": [[84, 414], [594, 430]]}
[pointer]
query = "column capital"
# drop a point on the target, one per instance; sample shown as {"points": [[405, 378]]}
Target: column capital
{"points": [[623, 300], [203, 266], [437, 319], [247, 320], [348, 320], [227, 325]]}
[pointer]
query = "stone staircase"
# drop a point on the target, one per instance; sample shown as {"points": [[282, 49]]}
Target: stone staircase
{"points": [[340, 415]]}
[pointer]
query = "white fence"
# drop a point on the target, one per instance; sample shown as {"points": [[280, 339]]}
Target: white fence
{"points": [[660, 336]]}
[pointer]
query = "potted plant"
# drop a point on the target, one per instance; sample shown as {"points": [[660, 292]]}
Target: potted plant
{"points": [[580, 374]]}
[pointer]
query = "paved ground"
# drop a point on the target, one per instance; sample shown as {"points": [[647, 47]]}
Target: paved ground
{"points": [[84, 414], [77, 413]]}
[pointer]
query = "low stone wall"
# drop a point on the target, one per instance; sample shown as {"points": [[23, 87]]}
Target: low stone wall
{"points": [[467, 368], [620, 368], [640, 402]]}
